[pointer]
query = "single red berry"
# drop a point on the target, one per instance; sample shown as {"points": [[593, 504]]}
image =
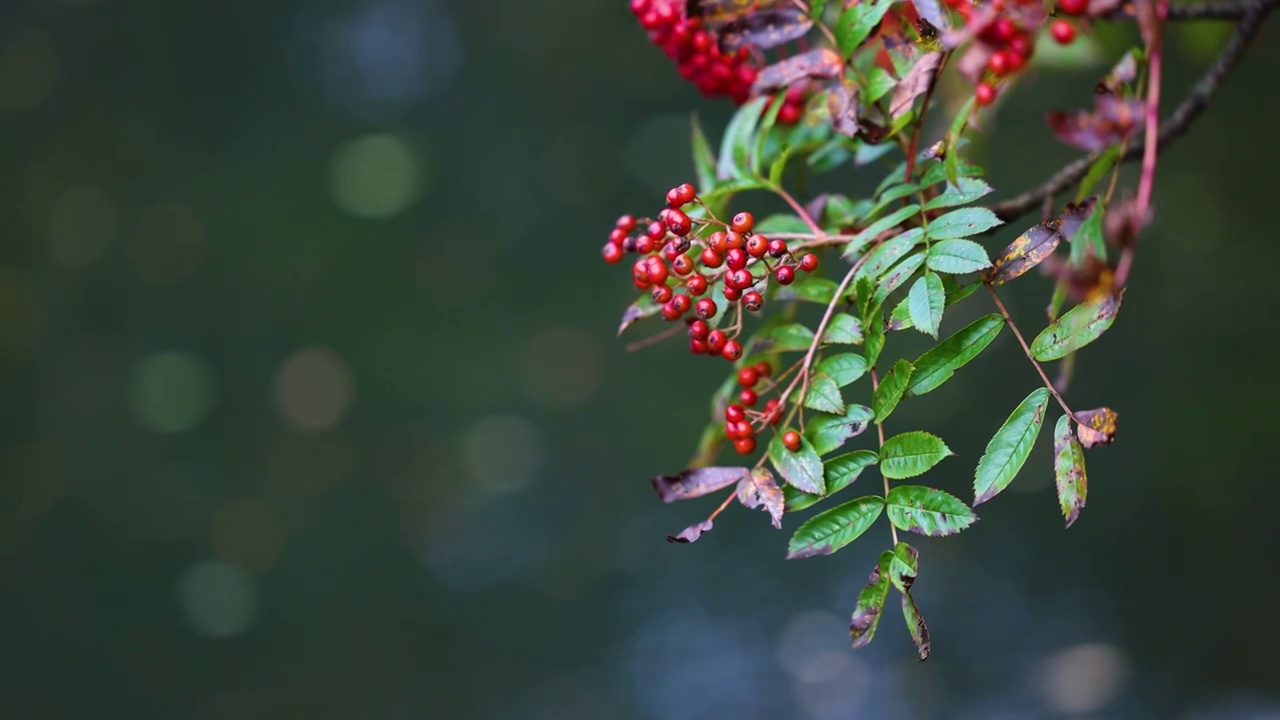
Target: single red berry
{"points": [[1073, 7], [1062, 31], [743, 428], [612, 252], [732, 350], [777, 248], [1021, 46], [662, 293], [731, 430], [705, 308], [748, 397], [742, 222], [657, 269], [734, 239], [626, 224], [696, 284], [736, 258], [756, 246], [748, 377], [697, 346], [985, 94], [682, 264], [715, 341], [669, 310], [678, 223], [711, 258], [671, 251], [752, 300], [789, 113], [998, 63], [731, 294], [784, 274], [808, 262], [717, 241], [1003, 29], [739, 279], [683, 302], [745, 446], [763, 369], [791, 440], [698, 329], [644, 244], [773, 411], [656, 230], [617, 235], [734, 413]]}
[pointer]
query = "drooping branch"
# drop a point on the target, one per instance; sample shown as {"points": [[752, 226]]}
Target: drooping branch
{"points": [[1251, 14]]}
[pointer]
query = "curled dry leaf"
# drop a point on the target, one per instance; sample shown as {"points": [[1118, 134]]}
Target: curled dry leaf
{"points": [[696, 482], [1113, 120], [842, 103], [760, 489], [1068, 471], [1124, 221], [1025, 252], [820, 63], [1097, 426], [691, 533], [763, 23], [914, 83], [1089, 280], [1124, 72], [1074, 215]]}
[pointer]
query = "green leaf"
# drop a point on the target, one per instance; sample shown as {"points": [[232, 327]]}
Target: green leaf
{"points": [[779, 166], [927, 511], [883, 257], [801, 469], [964, 222], [938, 364], [1089, 239], [823, 395], [843, 329], [781, 222], [905, 567], [874, 342], [866, 616], [873, 230], [1068, 470], [900, 319], [704, 160], [767, 121], [791, 337], [1080, 326], [844, 368], [856, 23], [896, 276], [842, 470], [958, 256], [736, 146], [1009, 448], [962, 193], [830, 530], [925, 302], [828, 432], [909, 454], [887, 394], [893, 194], [815, 9], [864, 291], [815, 290], [916, 626], [1097, 171], [879, 82]]}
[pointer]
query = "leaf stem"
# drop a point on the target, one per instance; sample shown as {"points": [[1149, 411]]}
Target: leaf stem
{"points": [[798, 208], [1008, 320], [924, 109], [875, 383]]}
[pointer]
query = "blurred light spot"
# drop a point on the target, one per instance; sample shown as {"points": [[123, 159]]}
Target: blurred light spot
{"points": [[1082, 678], [375, 176], [167, 245], [172, 392], [562, 367], [842, 695], [219, 599], [22, 315], [81, 227], [31, 479], [248, 533], [653, 157], [313, 388], [310, 464], [501, 453], [813, 647], [28, 71]]}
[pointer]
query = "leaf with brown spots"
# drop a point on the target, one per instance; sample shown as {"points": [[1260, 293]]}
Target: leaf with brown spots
{"points": [[820, 63], [914, 84], [1097, 426], [917, 627], [1077, 328], [696, 482], [927, 511], [1068, 471], [763, 23], [691, 533], [760, 489], [1025, 252], [832, 529], [866, 615]]}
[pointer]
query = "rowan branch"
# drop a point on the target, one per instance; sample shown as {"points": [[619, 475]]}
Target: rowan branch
{"points": [[1251, 15]]}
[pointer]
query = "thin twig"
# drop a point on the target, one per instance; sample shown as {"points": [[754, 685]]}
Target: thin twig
{"points": [[798, 208], [1197, 100], [924, 108], [1008, 320], [875, 383], [1155, 65]]}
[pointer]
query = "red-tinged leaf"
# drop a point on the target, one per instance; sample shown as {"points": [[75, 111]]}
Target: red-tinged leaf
{"points": [[642, 308], [696, 482], [691, 533], [1068, 471], [763, 23], [1097, 426], [832, 529], [759, 489], [914, 83], [927, 511], [866, 615], [820, 63], [917, 627], [1077, 328], [1025, 252], [842, 104], [1113, 120]]}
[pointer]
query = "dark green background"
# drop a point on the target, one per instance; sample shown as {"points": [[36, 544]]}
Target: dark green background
{"points": [[266, 455]]}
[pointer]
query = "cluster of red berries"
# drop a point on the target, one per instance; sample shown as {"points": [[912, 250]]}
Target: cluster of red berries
{"points": [[696, 52], [678, 264], [738, 420], [1009, 36]]}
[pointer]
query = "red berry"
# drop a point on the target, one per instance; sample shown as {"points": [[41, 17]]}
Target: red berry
{"points": [[748, 397], [772, 411], [757, 245], [732, 350], [809, 262], [696, 284], [985, 94], [716, 341], [662, 293], [734, 414], [682, 264], [683, 302], [670, 311], [678, 223], [1073, 7], [739, 279], [736, 258], [752, 301], [682, 194], [711, 258], [698, 329], [717, 241], [1062, 31], [1021, 46], [612, 252], [1003, 29], [734, 239], [784, 274], [705, 308], [732, 294], [777, 248], [998, 63], [697, 346], [745, 446], [789, 113], [742, 222], [626, 224], [748, 377], [657, 269], [743, 428], [656, 230], [791, 440], [763, 369], [617, 235], [644, 244]]}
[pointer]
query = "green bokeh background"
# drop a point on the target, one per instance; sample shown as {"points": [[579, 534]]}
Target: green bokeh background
{"points": [[313, 406]]}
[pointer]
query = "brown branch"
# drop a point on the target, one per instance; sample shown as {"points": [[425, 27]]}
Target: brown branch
{"points": [[1251, 16], [1026, 349]]}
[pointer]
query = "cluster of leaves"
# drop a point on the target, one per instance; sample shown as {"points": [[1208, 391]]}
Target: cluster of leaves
{"points": [[913, 250]]}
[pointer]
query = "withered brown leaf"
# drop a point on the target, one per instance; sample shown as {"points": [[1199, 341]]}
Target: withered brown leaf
{"points": [[914, 83], [1113, 120], [761, 489], [691, 533], [1097, 426], [1025, 252], [696, 482], [819, 63]]}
